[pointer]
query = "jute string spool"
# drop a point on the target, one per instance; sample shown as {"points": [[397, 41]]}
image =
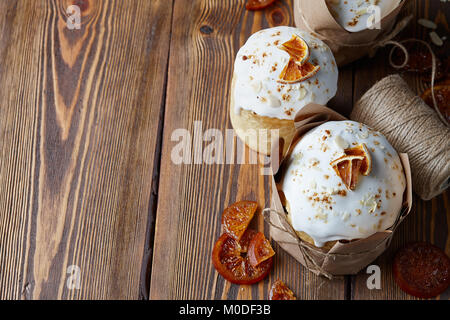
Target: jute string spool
{"points": [[411, 126]]}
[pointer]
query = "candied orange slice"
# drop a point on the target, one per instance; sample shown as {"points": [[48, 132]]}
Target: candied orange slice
{"points": [[293, 73], [356, 161], [259, 250], [233, 264], [258, 4], [280, 291], [236, 218], [422, 270], [297, 48]]}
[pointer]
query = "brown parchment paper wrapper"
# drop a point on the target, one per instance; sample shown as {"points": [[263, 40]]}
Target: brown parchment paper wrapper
{"points": [[342, 258], [314, 16]]}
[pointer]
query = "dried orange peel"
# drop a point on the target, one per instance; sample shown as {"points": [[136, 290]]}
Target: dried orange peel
{"points": [[356, 161], [298, 68]]}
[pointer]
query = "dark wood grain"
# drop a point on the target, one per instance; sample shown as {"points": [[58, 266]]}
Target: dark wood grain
{"points": [[429, 220], [78, 126], [205, 38]]}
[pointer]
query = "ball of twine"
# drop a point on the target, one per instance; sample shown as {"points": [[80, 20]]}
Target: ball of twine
{"points": [[412, 127]]}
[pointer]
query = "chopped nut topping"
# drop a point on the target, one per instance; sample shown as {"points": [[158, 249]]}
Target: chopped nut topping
{"points": [[302, 93], [346, 216], [313, 162], [340, 142], [297, 157]]}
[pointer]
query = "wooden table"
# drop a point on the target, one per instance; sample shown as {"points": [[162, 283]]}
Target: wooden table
{"points": [[86, 177]]}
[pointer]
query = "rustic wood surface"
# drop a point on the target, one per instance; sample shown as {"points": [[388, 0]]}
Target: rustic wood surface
{"points": [[79, 130], [87, 179]]}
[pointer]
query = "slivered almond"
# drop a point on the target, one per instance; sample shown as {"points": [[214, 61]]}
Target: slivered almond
{"points": [[427, 23], [436, 39]]}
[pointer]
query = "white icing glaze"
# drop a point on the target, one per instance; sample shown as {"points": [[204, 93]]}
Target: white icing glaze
{"points": [[259, 64], [354, 15], [313, 190]]}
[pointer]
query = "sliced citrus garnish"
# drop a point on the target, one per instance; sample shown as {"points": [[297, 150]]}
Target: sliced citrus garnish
{"points": [[293, 72], [258, 4], [298, 68], [230, 261], [347, 168], [236, 218], [442, 95], [361, 151], [259, 250], [356, 161], [280, 291], [297, 48]]}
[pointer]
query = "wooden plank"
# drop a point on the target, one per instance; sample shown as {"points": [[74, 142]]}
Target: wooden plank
{"points": [[429, 220], [78, 127], [205, 38]]}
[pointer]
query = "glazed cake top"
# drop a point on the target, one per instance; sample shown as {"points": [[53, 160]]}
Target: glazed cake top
{"points": [[357, 15], [257, 70], [321, 205]]}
